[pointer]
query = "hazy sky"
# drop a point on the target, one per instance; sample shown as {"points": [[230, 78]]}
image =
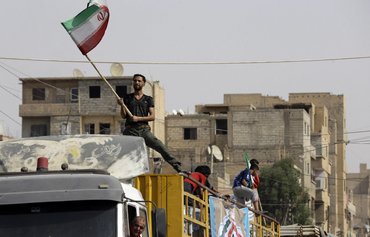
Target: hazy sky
{"points": [[249, 32]]}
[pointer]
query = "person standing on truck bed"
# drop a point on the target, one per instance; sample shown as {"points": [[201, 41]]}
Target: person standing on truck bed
{"points": [[137, 226], [142, 108], [243, 187]]}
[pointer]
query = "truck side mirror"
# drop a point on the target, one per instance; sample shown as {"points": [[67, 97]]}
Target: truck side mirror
{"points": [[159, 225]]}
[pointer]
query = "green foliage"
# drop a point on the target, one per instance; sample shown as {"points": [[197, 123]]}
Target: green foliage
{"points": [[282, 195]]}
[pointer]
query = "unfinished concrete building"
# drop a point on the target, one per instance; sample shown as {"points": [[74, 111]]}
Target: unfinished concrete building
{"points": [[269, 129]]}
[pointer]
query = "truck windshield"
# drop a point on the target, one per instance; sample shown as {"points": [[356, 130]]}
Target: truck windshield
{"points": [[87, 218]]}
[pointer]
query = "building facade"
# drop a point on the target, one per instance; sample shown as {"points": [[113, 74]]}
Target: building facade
{"points": [[340, 222], [269, 128], [359, 186], [71, 105]]}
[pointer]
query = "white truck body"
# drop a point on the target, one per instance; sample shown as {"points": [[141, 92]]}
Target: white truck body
{"points": [[84, 200]]}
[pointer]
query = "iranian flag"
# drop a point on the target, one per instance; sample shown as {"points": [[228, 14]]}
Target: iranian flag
{"points": [[88, 27]]}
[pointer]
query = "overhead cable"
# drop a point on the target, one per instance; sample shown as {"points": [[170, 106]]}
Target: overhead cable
{"points": [[192, 62]]}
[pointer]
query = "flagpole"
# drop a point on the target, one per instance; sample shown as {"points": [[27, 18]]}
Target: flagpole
{"points": [[114, 92]]}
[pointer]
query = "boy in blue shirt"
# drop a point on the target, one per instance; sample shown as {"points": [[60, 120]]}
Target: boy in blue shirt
{"points": [[244, 188]]}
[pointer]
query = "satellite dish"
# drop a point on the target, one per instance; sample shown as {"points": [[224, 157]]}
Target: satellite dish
{"points": [[216, 152], [77, 73], [174, 112], [180, 112], [116, 69]]}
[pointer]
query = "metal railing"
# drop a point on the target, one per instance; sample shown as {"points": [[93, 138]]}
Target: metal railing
{"points": [[261, 225]]}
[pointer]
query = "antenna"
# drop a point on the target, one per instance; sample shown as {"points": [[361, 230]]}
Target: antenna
{"points": [[116, 69], [215, 152], [77, 73]]}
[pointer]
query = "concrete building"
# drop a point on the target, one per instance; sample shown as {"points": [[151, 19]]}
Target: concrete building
{"points": [[71, 105], [321, 165], [269, 129], [359, 184], [340, 222]]}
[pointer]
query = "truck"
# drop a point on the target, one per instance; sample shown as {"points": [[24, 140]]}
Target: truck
{"points": [[89, 194], [94, 185]]}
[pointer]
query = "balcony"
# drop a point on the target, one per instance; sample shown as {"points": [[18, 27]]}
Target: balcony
{"points": [[34, 110], [322, 196], [321, 163]]}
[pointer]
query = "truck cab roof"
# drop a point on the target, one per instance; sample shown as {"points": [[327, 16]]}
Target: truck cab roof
{"points": [[58, 186]]}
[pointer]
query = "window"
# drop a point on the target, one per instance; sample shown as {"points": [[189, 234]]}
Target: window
{"points": [[38, 130], [65, 128], [321, 183], [221, 126], [305, 128], [142, 212], [190, 133], [74, 95], [104, 128], [90, 128], [94, 91], [121, 91], [308, 129], [25, 219], [132, 213], [308, 167], [321, 180], [38, 93]]}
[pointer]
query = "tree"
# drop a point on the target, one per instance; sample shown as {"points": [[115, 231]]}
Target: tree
{"points": [[282, 195]]}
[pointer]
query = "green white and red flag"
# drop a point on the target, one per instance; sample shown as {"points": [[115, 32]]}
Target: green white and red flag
{"points": [[88, 27]]}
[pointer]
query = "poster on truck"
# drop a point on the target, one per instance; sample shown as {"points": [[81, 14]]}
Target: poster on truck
{"points": [[228, 220]]}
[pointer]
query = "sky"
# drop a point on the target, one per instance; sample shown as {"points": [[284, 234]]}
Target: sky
{"points": [[241, 46]]}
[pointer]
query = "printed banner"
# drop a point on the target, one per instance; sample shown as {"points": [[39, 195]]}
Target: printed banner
{"points": [[227, 220]]}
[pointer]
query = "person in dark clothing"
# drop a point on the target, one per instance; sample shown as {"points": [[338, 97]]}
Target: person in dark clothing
{"points": [[142, 108], [254, 162], [200, 174]]}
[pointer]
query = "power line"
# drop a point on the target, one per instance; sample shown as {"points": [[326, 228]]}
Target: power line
{"points": [[192, 62], [355, 141], [10, 92], [361, 131], [6, 69], [10, 117]]}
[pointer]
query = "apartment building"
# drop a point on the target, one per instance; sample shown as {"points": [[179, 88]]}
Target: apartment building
{"points": [[321, 165], [268, 128], [339, 218], [359, 186]]}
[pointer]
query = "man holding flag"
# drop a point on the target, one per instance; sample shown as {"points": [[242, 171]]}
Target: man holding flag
{"points": [[87, 29], [142, 109]]}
